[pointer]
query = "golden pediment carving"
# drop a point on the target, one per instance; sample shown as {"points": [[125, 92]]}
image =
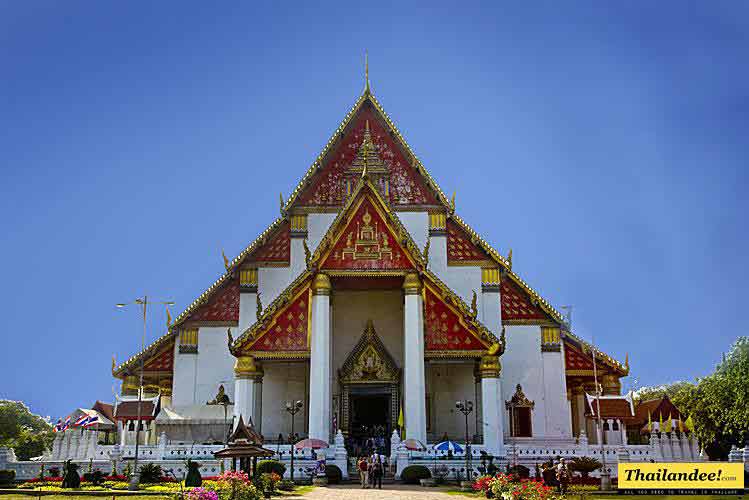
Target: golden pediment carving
{"points": [[369, 361]]}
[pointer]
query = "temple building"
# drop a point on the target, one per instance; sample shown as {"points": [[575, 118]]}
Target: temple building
{"points": [[372, 301]]}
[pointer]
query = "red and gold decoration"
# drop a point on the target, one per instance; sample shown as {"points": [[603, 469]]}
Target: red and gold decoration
{"points": [[403, 186], [517, 305], [277, 248], [461, 250], [367, 243], [444, 329], [222, 306], [288, 331], [163, 361]]}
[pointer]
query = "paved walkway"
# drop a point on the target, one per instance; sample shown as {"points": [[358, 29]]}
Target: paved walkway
{"points": [[388, 492]]}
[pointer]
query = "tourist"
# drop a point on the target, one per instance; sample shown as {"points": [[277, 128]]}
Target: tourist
{"points": [[377, 470], [563, 476], [363, 472]]}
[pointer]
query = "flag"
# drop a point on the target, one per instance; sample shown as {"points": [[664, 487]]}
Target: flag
{"points": [[400, 423], [689, 424], [650, 423], [58, 425], [81, 420], [660, 422], [335, 422], [680, 424], [92, 420], [66, 424], [669, 423]]}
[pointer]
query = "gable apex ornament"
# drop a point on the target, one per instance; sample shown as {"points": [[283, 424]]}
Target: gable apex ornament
{"points": [[366, 72]]}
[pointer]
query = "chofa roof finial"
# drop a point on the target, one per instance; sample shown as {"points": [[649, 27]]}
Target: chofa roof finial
{"points": [[366, 71]]}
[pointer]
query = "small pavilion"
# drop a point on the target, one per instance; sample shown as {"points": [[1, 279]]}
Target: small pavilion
{"points": [[245, 444]]}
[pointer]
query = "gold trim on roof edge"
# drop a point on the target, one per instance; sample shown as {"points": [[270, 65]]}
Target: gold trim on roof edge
{"points": [[586, 348]]}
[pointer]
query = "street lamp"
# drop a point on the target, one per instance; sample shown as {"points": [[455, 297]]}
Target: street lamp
{"points": [[466, 408], [143, 302], [293, 409]]}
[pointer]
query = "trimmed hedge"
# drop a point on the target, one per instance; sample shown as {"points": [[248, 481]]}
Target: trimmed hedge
{"points": [[268, 466], [7, 476], [414, 473], [333, 473]]}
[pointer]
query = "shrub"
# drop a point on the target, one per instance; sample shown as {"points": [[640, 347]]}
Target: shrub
{"points": [[96, 477], [521, 471], [7, 476], [584, 465], [70, 478], [54, 472], [201, 494], [333, 473], [286, 485], [414, 473], [268, 466], [193, 477], [150, 473]]}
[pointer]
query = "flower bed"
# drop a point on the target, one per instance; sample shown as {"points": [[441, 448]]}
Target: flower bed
{"points": [[508, 487]]}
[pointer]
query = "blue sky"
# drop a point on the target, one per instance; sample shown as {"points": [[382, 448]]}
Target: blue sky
{"points": [[607, 145]]}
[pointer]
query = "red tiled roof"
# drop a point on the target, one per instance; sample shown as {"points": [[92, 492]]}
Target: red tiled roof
{"points": [[105, 409], [610, 408], [128, 410]]}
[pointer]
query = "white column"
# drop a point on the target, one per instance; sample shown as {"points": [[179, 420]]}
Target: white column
{"points": [[414, 386], [492, 417], [319, 363], [248, 376]]}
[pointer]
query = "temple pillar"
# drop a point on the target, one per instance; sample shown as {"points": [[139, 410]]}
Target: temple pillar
{"points": [[414, 386], [492, 417], [248, 380], [578, 406], [320, 360]]}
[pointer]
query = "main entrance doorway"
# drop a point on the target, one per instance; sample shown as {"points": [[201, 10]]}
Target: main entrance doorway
{"points": [[370, 401], [370, 420]]}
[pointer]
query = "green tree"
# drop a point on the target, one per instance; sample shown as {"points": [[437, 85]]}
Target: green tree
{"points": [[27, 433], [718, 403]]}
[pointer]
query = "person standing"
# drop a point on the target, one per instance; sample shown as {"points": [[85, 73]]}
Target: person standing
{"points": [[563, 476], [363, 472]]}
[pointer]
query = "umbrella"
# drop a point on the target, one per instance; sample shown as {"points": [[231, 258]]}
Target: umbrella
{"points": [[311, 443], [414, 445], [451, 446]]}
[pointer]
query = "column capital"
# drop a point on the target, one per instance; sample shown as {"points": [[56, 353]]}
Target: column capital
{"points": [[578, 390], [247, 368], [490, 367], [321, 285], [412, 284]]}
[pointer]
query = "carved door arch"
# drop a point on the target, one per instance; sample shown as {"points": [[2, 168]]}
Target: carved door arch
{"points": [[369, 364]]}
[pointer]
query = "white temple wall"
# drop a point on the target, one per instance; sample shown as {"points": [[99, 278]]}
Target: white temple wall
{"points": [[284, 382], [522, 364], [271, 281], [463, 280], [447, 383], [417, 225], [317, 226], [197, 376], [184, 377], [352, 309], [558, 413], [215, 364]]}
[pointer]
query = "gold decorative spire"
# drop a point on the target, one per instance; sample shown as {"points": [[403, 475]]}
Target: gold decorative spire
{"points": [[226, 260], [452, 203], [626, 361], [259, 306], [367, 159], [474, 305], [366, 72], [280, 199], [307, 253], [168, 318], [230, 338], [509, 258]]}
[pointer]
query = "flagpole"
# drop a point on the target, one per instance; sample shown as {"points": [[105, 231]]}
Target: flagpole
{"points": [[605, 476]]}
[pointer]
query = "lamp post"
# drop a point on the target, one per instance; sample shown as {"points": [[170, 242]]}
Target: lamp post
{"points": [[293, 409], [605, 476], [466, 408], [143, 302]]}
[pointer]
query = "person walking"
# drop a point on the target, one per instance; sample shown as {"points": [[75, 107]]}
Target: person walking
{"points": [[563, 476], [363, 472], [377, 471]]}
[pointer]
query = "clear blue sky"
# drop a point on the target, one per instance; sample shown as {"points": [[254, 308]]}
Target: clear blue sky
{"points": [[607, 145]]}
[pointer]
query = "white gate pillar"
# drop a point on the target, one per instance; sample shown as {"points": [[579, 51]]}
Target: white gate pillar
{"points": [[248, 379], [319, 362], [414, 386], [491, 416]]}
